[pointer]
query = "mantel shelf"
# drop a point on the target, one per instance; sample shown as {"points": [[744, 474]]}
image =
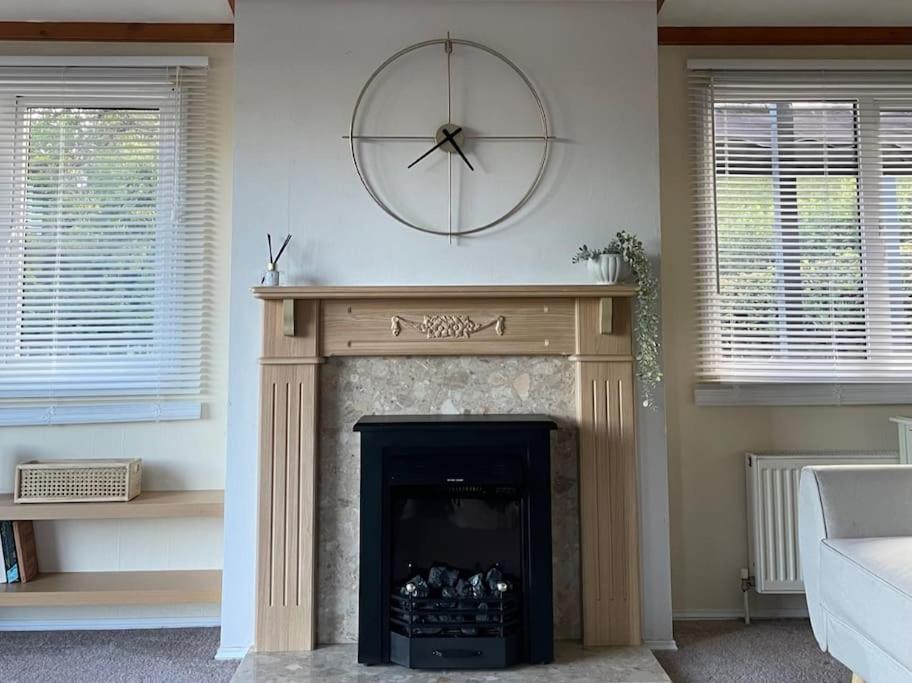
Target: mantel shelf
{"points": [[444, 291], [147, 505]]}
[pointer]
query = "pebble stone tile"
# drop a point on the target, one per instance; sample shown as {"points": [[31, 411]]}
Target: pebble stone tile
{"points": [[338, 664], [352, 387]]}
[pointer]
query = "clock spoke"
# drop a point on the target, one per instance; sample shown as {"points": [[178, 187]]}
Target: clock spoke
{"points": [[534, 138], [448, 47], [400, 138]]}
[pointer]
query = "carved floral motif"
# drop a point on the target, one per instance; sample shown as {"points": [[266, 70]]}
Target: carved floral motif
{"points": [[447, 326]]}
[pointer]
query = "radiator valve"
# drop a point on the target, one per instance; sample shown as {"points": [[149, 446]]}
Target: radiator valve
{"points": [[747, 581]]}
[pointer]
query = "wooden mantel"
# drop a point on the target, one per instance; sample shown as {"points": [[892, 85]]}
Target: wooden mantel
{"points": [[443, 291], [590, 325]]}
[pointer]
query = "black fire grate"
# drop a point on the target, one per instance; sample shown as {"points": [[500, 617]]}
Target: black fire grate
{"points": [[487, 617]]}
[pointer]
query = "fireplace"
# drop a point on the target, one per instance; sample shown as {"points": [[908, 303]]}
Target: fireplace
{"points": [[455, 565], [589, 325]]}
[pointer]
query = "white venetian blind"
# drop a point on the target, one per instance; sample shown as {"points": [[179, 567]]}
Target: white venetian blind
{"points": [[105, 211], [804, 225]]}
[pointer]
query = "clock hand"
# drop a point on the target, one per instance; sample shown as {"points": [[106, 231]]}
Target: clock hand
{"points": [[438, 145], [452, 140]]}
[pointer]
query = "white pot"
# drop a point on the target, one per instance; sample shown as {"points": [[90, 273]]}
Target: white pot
{"points": [[271, 277], [605, 269]]}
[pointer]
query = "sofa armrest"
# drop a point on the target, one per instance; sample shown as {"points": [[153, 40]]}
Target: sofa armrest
{"points": [[863, 501], [847, 501]]}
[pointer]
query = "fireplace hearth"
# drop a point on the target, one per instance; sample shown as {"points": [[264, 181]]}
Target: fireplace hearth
{"points": [[455, 566]]}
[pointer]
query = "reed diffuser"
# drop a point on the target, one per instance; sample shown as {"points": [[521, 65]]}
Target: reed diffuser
{"points": [[271, 276]]}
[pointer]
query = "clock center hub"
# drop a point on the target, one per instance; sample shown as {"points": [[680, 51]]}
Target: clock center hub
{"points": [[445, 144]]}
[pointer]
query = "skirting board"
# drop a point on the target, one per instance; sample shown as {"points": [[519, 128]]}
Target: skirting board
{"points": [[668, 645], [232, 652], [724, 614], [107, 624]]}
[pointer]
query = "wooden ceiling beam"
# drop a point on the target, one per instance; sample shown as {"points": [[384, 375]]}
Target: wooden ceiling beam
{"points": [[785, 35], [116, 32]]}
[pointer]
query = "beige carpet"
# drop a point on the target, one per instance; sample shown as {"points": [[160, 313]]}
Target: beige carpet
{"points": [[167, 655], [783, 651], [728, 651]]}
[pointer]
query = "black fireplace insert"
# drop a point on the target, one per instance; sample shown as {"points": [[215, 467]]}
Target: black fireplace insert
{"points": [[455, 541]]}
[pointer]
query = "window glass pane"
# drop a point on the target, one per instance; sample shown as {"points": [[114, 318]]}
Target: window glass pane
{"points": [[90, 204], [896, 142], [789, 234], [749, 307], [824, 277]]}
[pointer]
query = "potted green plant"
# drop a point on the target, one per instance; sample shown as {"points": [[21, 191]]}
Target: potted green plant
{"points": [[604, 265], [648, 353]]}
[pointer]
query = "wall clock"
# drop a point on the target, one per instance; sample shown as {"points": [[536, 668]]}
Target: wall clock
{"points": [[455, 144]]}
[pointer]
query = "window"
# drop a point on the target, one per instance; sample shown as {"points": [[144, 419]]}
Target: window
{"points": [[804, 219], [104, 195]]}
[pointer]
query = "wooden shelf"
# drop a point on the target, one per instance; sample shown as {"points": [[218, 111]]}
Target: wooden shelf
{"points": [[147, 505], [114, 588], [444, 291]]}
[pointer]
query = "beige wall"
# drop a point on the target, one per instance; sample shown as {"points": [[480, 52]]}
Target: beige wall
{"points": [[705, 445], [176, 455]]}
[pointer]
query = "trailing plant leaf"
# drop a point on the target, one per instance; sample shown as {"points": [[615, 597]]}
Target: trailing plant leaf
{"points": [[647, 344]]}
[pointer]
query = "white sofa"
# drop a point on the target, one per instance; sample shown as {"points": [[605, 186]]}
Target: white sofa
{"points": [[855, 537]]}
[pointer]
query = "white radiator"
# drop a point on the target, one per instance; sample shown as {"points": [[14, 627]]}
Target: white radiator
{"points": [[772, 512]]}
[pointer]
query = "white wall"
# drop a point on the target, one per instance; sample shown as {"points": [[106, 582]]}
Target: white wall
{"points": [[299, 68], [176, 455]]}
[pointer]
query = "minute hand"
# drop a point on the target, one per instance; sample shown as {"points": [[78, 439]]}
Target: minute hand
{"points": [[447, 138], [452, 140]]}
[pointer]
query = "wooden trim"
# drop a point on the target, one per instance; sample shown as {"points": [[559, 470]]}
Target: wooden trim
{"points": [[785, 35], [287, 547], [303, 360], [576, 358], [445, 292], [659, 5], [458, 327], [231, 5], [120, 32], [609, 531]]}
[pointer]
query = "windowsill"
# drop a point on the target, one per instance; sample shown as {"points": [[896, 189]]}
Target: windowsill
{"points": [[733, 394], [89, 413]]}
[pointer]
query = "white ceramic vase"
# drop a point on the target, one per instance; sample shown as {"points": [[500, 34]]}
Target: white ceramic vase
{"points": [[605, 269]]}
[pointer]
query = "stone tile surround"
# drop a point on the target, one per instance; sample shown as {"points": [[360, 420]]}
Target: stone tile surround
{"points": [[338, 664], [353, 387]]}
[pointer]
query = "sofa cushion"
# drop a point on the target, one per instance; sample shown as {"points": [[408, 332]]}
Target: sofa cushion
{"points": [[867, 584]]}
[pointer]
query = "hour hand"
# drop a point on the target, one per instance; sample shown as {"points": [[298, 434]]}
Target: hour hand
{"points": [[447, 138], [451, 138]]}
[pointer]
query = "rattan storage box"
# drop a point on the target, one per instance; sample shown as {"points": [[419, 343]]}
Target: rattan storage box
{"points": [[77, 481]]}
